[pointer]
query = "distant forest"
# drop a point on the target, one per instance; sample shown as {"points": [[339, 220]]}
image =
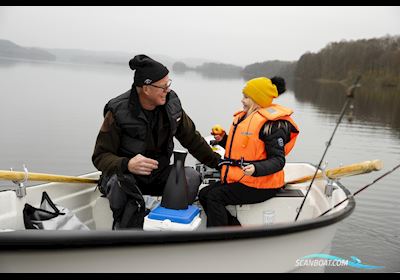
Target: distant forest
{"points": [[377, 60], [220, 70], [269, 69], [211, 69]]}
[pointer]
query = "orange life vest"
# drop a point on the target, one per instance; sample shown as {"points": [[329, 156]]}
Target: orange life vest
{"points": [[243, 144]]}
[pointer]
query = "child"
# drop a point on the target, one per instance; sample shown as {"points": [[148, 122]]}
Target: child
{"points": [[260, 137]]}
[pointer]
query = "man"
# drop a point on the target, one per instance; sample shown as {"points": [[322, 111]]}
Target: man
{"points": [[135, 142]]}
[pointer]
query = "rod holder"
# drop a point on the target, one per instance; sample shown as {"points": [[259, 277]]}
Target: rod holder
{"points": [[21, 188]]}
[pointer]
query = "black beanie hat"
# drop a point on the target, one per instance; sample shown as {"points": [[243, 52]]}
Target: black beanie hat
{"points": [[147, 71]]}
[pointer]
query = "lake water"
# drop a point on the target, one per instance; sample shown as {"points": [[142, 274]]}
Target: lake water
{"points": [[50, 114]]}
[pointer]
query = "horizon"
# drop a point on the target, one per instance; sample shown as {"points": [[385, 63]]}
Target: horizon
{"points": [[230, 35], [187, 60]]}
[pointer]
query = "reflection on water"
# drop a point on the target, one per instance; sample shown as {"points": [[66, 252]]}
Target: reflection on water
{"points": [[371, 232], [377, 106]]}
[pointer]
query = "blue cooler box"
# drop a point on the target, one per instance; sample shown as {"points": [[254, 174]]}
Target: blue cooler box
{"points": [[162, 218]]}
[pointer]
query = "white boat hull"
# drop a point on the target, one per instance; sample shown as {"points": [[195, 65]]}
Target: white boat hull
{"points": [[250, 248], [272, 254]]}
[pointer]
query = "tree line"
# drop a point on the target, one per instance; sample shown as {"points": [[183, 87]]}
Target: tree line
{"points": [[376, 59], [211, 69], [269, 69], [220, 70]]}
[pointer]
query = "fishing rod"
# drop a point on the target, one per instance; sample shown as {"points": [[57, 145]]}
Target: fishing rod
{"points": [[363, 188], [350, 95]]}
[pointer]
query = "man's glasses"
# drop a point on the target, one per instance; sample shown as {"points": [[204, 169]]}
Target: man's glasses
{"points": [[163, 87]]}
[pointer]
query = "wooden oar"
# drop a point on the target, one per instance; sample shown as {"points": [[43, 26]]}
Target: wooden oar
{"points": [[344, 171], [348, 170], [20, 176]]}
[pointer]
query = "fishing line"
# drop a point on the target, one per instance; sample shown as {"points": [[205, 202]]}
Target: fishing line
{"points": [[363, 188], [350, 94]]}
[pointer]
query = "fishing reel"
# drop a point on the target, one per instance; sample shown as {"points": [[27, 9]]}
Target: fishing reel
{"points": [[209, 175]]}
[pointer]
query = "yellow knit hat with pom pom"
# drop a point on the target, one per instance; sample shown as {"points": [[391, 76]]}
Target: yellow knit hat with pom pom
{"points": [[261, 90]]}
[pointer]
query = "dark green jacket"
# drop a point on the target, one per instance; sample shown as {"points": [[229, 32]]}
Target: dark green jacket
{"points": [[127, 132]]}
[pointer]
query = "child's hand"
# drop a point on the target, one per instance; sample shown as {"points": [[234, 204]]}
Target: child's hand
{"points": [[249, 169], [218, 132]]}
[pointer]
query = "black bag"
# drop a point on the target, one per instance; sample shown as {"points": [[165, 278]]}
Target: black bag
{"points": [[51, 216], [126, 201]]}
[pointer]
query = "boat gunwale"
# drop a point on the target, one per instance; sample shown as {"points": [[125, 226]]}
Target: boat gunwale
{"points": [[72, 239]]}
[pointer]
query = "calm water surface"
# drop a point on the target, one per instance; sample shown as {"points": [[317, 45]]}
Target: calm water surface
{"points": [[50, 115]]}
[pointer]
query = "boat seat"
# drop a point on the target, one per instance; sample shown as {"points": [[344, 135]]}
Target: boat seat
{"points": [[284, 192], [281, 208]]}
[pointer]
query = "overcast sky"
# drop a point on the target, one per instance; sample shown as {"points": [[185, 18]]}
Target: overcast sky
{"points": [[236, 35]]}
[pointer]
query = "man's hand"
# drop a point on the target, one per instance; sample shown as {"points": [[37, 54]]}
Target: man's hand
{"points": [[142, 165]]}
